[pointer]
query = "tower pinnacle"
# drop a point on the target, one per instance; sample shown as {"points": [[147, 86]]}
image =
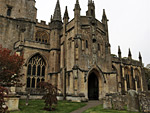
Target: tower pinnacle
{"points": [[129, 54], [90, 1], [104, 17], [77, 5], [119, 52], [66, 14], [57, 12], [140, 57]]}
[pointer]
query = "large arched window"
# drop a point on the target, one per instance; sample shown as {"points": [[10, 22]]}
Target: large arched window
{"points": [[42, 36], [35, 71]]}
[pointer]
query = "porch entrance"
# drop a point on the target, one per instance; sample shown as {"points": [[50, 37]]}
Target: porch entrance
{"points": [[93, 87]]}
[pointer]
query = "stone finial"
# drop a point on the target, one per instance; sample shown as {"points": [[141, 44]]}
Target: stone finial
{"points": [[77, 5], [119, 52], [66, 16], [104, 17], [57, 12], [129, 54], [140, 57], [77, 1], [89, 1], [51, 18]]}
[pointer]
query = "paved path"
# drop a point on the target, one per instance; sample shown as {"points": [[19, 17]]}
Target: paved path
{"points": [[89, 105]]}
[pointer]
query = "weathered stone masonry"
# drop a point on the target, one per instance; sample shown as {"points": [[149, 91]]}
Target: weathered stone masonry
{"points": [[73, 55]]}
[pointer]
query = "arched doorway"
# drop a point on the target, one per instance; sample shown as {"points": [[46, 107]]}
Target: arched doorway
{"points": [[93, 89]]}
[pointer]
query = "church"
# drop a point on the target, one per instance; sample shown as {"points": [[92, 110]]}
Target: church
{"points": [[74, 55]]}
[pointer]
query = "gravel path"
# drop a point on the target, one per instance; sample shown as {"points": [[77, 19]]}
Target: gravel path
{"points": [[90, 104]]}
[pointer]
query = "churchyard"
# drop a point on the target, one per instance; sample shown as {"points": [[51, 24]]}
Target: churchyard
{"points": [[36, 106]]}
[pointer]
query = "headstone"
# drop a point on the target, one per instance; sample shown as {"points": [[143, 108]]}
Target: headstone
{"points": [[107, 103], [133, 101]]}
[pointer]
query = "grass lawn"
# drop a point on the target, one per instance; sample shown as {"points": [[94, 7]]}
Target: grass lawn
{"points": [[99, 109], [36, 106]]}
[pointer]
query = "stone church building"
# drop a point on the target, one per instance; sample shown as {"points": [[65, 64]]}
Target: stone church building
{"points": [[74, 55]]}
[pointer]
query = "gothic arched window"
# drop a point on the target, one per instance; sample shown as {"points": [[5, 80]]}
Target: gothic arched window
{"points": [[42, 36], [35, 71]]}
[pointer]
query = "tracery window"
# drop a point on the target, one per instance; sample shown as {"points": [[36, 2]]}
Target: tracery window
{"points": [[42, 36], [35, 71]]}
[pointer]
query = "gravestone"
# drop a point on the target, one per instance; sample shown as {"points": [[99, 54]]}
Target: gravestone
{"points": [[107, 103], [133, 101]]}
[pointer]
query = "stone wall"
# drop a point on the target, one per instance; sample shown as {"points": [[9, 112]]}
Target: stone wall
{"points": [[144, 102], [118, 102], [114, 101]]}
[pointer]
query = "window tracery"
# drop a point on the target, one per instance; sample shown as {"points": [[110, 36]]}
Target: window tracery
{"points": [[42, 36], [35, 71]]}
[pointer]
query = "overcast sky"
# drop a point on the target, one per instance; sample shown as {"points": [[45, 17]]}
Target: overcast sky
{"points": [[129, 22]]}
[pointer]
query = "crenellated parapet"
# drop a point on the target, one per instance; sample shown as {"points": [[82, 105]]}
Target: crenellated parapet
{"points": [[42, 23]]}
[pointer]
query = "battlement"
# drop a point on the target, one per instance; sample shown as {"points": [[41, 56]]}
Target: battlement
{"points": [[42, 22]]}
